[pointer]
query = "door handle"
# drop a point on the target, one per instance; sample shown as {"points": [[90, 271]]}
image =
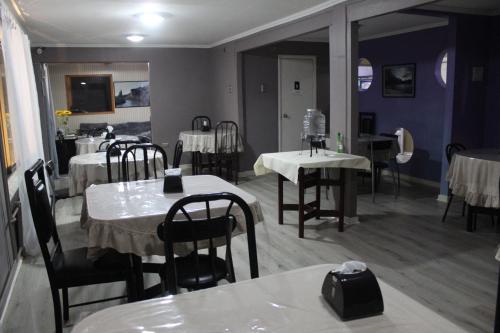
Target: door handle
{"points": [[285, 115]]}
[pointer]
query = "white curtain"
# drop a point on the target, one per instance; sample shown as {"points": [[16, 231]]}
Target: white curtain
{"points": [[50, 120], [24, 113]]}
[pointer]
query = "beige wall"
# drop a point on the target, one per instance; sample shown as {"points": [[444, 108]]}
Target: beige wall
{"points": [[120, 72]]}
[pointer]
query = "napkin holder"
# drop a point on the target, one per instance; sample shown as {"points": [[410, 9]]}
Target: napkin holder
{"points": [[353, 296], [110, 136], [205, 127], [172, 182]]}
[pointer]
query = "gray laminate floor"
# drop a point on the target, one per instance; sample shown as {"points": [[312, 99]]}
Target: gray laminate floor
{"points": [[403, 241]]}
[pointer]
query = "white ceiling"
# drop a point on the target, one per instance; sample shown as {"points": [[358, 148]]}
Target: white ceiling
{"points": [[386, 25], [194, 23]]}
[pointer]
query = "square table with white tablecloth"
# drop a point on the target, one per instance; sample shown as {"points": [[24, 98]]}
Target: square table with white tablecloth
{"points": [[91, 145], [288, 302], [88, 169], [202, 141], [124, 216], [291, 166]]}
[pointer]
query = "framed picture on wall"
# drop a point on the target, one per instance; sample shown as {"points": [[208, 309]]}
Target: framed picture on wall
{"points": [[398, 80], [131, 94]]}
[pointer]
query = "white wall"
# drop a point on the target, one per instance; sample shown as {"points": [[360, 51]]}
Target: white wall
{"points": [[120, 72]]}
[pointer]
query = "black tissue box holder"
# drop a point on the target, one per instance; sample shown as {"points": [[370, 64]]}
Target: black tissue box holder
{"points": [[353, 296], [172, 182]]}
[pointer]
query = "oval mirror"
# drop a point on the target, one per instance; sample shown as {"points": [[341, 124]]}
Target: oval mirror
{"points": [[406, 146]]}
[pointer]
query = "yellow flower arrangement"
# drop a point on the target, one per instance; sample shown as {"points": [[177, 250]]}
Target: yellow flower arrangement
{"points": [[63, 119]]}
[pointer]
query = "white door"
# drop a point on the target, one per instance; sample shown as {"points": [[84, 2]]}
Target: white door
{"points": [[297, 87]]}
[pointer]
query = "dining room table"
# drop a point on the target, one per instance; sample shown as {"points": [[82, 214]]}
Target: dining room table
{"points": [[202, 141], [475, 175], [88, 145], [89, 169], [303, 168], [124, 216], [284, 302]]}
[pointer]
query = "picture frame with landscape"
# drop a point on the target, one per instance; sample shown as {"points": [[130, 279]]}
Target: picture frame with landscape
{"points": [[131, 94], [398, 80]]}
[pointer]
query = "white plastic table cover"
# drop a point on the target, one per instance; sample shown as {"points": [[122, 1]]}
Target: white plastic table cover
{"points": [[289, 302], [91, 145], [288, 163], [88, 169], [475, 175], [125, 216], [203, 142]]}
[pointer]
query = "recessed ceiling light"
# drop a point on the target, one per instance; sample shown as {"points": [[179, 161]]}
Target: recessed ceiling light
{"points": [[151, 19], [83, 83], [135, 38]]}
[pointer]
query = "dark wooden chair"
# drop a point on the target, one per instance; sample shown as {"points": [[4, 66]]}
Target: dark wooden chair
{"points": [[130, 161], [226, 149], [177, 154], [67, 269], [103, 146], [197, 271], [55, 194], [114, 152], [450, 150], [200, 161]]}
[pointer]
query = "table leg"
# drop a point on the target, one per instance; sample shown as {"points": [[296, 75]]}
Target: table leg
{"points": [[470, 217], [280, 199], [318, 194], [193, 163], [341, 199], [301, 202]]}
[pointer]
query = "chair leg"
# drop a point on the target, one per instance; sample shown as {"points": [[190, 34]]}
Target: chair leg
{"points": [[236, 168], [57, 310], [394, 183], [450, 197], [65, 304], [131, 289], [463, 208]]}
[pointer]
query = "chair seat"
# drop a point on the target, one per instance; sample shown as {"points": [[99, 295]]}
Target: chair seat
{"points": [[186, 271], [72, 268]]}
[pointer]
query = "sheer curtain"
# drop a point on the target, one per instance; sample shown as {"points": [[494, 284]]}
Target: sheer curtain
{"points": [[24, 113], [51, 121]]}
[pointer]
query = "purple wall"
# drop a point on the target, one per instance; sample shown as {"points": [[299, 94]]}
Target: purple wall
{"points": [[423, 115], [492, 110]]}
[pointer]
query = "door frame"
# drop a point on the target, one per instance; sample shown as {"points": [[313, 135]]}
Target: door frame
{"points": [[315, 88]]}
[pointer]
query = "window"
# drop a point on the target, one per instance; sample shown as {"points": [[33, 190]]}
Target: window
{"points": [[90, 93], [442, 68], [365, 74], [7, 141]]}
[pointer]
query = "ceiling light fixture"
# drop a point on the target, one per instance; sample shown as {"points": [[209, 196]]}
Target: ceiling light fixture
{"points": [[151, 19], [135, 38]]}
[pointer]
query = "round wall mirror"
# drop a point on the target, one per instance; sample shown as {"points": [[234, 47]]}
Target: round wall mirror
{"points": [[406, 146], [365, 74]]}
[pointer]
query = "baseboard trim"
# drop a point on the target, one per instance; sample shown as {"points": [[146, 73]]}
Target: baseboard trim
{"points": [[414, 180], [12, 284], [442, 198]]}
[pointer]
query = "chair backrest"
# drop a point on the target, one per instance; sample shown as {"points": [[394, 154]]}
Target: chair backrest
{"points": [[453, 148], [103, 146], [188, 229], [42, 216], [177, 154], [197, 122], [49, 168], [130, 159], [114, 151], [367, 122], [226, 137]]}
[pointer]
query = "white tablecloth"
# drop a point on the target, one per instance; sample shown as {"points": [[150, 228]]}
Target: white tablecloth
{"points": [[289, 302], [124, 216], [91, 145], [288, 163], [475, 175], [88, 169], [204, 142]]}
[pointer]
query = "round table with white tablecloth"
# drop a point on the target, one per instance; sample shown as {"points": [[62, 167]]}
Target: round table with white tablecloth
{"points": [[475, 175], [91, 145], [203, 142], [88, 169]]}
